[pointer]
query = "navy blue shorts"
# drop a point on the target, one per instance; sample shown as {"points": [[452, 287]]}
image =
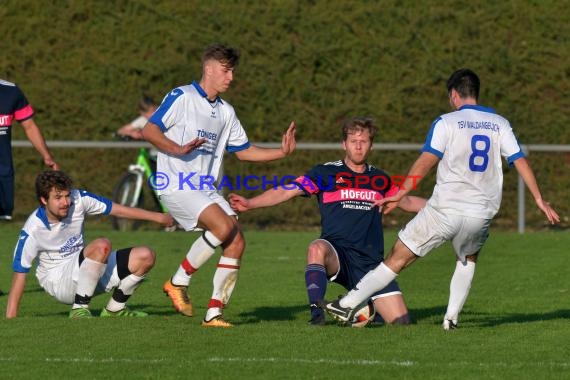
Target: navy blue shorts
{"points": [[353, 266]]}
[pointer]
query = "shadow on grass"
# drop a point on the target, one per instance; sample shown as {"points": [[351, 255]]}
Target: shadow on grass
{"points": [[490, 321], [417, 315], [482, 319], [291, 313], [267, 313]]}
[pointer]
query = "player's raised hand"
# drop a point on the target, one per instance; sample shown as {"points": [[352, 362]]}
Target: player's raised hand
{"points": [[49, 162], [388, 204], [238, 203], [192, 145], [545, 207], [288, 142]]}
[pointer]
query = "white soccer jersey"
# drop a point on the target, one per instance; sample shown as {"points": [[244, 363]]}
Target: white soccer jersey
{"points": [[186, 114], [470, 143], [54, 244]]}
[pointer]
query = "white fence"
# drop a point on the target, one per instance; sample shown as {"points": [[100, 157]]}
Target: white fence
{"points": [[314, 146]]}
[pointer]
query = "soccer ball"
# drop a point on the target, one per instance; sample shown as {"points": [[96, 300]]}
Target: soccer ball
{"points": [[364, 315]]}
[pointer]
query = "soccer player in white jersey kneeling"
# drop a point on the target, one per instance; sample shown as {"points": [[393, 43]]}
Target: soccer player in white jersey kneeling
{"points": [[467, 145], [69, 270]]}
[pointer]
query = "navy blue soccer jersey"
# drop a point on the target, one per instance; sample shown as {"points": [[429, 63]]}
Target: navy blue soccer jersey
{"points": [[13, 105], [345, 201]]}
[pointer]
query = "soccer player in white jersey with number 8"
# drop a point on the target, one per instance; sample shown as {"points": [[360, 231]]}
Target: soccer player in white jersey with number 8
{"points": [[192, 128], [468, 144]]}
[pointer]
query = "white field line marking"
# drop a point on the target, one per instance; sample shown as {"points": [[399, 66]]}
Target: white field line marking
{"points": [[362, 362], [402, 363], [83, 360]]}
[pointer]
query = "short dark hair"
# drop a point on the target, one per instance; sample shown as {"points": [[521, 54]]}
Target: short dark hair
{"points": [[465, 82], [227, 55], [146, 103], [50, 179], [359, 124]]}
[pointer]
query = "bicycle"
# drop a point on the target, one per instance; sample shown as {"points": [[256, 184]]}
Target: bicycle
{"points": [[129, 190]]}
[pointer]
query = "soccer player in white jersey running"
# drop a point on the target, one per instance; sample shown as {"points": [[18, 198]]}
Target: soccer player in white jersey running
{"points": [[69, 270], [192, 129], [468, 144]]}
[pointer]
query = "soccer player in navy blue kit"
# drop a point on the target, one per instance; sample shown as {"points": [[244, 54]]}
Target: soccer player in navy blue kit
{"points": [[352, 240], [14, 105]]}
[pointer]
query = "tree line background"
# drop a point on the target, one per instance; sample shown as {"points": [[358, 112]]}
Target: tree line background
{"points": [[84, 64]]}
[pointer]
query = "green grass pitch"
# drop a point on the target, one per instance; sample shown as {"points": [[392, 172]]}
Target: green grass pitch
{"points": [[515, 324]]}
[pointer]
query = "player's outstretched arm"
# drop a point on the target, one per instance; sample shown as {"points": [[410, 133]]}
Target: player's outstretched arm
{"points": [[121, 211], [258, 154], [411, 203], [420, 168], [16, 292], [34, 134], [269, 198], [523, 167]]}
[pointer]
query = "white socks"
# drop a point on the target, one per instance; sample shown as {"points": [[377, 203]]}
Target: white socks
{"points": [[225, 279], [202, 249], [127, 287], [375, 280], [224, 283], [459, 288], [90, 272]]}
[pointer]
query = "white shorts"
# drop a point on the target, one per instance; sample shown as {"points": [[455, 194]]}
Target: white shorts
{"points": [[430, 228], [186, 206], [61, 281]]}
